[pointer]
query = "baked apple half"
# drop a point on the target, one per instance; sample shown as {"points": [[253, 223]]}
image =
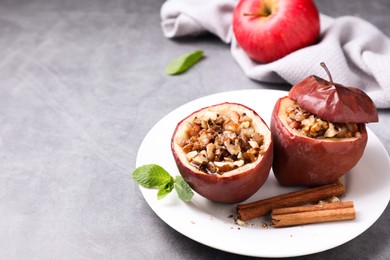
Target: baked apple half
{"points": [[319, 131], [223, 151]]}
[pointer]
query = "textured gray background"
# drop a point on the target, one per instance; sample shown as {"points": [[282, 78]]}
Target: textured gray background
{"points": [[81, 83]]}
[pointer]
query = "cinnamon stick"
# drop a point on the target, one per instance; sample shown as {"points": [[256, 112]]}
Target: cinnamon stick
{"points": [[292, 216], [262, 207]]}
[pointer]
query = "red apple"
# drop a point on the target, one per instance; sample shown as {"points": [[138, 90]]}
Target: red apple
{"points": [[268, 30], [300, 160], [315, 105], [224, 152]]}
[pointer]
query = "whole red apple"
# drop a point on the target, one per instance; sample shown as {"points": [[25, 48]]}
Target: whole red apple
{"points": [[268, 30]]}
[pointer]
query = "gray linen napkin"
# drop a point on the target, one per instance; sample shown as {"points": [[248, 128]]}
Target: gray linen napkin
{"points": [[356, 52]]}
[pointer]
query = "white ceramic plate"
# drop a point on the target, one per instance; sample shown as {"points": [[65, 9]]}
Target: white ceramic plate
{"points": [[368, 185]]}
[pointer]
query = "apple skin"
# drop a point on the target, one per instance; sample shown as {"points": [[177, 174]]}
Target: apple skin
{"points": [[334, 102], [228, 187], [292, 25], [304, 161]]}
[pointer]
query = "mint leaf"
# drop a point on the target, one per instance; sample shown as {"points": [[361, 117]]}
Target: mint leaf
{"points": [[165, 189], [151, 176], [183, 63], [183, 189]]}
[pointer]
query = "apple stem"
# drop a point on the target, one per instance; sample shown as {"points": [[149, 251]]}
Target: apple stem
{"points": [[263, 12], [327, 72], [249, 14]]}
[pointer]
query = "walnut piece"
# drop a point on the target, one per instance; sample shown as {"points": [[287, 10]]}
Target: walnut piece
{"points": [[312, 126], [218, 143]]}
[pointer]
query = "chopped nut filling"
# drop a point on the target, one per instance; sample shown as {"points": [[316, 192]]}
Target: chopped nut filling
{"points": [[313, 126], [217, 143]]}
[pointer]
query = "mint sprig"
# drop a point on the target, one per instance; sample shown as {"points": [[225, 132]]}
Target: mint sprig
{"points": [[153, 176], [183, 63]]}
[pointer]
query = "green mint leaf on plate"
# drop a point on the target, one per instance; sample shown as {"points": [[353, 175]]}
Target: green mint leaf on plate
{"points": [[164, 190], [183, 189], [183, 63], [151, 176]]}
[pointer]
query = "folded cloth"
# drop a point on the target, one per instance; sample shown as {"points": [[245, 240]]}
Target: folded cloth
{"points": [[194, 17], [355, 51]]}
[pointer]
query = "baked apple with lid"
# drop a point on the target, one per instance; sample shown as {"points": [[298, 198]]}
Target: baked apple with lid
{"points": [[319, 131], [223, 151]]}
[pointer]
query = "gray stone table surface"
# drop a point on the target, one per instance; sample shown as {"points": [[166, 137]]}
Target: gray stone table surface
{"points": [[81, 83]]}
